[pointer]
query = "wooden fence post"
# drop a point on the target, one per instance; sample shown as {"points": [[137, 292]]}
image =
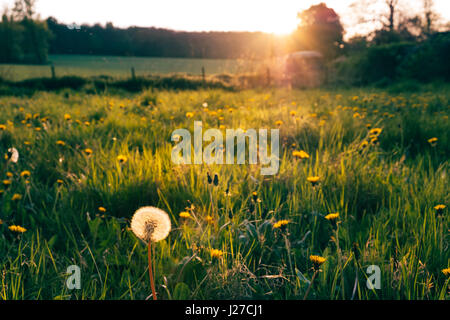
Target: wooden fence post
{"points": [[52, 68], [133, 74], [203, 75]]}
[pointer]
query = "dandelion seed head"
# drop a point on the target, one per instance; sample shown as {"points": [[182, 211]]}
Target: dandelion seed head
{"points": [[150, 224]]}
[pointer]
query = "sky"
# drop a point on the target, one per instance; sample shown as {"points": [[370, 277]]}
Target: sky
{"points": [[273, 16]]}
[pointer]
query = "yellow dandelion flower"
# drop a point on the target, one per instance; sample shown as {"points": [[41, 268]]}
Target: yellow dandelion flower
{"points": [[2, 127], [216, 253], [88, 151], [433, 141], [122, 159], [16, 197], [281, 224], [60, 143], [7, 183], [25, 174], [189, 115], [17, 229], [313, 179], [439, 209], [59, 181], [446, 271], [67, 117], [278, 123], [300, 154], [293, 113], [317, 261], [185, 215], [332, 216], [375, 131], [9, 174], [209, 219]]}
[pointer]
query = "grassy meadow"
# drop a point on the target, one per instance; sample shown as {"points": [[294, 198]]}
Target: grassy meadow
{"points": [[88, 66], [249, 237]]}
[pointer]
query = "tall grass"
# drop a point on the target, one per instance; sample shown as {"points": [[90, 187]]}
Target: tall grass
{"points": [[385, 194]]}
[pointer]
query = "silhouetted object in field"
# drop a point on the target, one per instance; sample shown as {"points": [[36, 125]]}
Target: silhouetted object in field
{"points": [[304, 69]]}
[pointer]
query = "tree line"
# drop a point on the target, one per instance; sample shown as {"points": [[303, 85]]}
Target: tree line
{"points": [[24, 38]]}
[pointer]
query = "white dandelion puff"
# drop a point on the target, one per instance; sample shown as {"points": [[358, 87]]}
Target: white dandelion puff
{"points": [[150, 224]]}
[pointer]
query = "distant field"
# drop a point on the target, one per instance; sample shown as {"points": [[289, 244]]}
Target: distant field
{"points": [[83, 65]]}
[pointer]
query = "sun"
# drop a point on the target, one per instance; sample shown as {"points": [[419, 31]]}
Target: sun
{"points": [[281, 24]]}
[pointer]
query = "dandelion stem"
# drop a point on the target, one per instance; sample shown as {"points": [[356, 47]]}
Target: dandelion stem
{"points": [[150, 272], [310, 284]]}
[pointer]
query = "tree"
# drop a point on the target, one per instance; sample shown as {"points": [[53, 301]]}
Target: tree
{"points": [[320, 29], [23, 9], [23, 37]]}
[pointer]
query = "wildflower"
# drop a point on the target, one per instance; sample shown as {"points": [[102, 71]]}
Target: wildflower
{"points": [[37, 129], [317, 261], [368, 126], [7, 183], [300, 154], [150, 224], [439, 209], [375, 131], [17, 229], [446, 272], [205, 104], [122, 159], [2, 127], [255, 196], [278, 123], [16, 197], [209, 219], [9, 174], [185, 215], [332, 217], [60, 143], [189, 114], [25, 174], [433, 141], [102, 209], [67, 117], [364, 144], [374, 141], [59, 181], [27, 143], [293, 113], [88, 151], [281, 224], [216, 253], [314, 180]]}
